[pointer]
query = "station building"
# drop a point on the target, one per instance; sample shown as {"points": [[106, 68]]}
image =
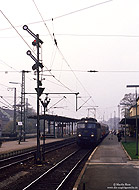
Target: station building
{"points": [[129, 121]]}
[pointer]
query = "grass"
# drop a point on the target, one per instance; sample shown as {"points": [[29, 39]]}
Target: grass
{"points": [[130, 147]]}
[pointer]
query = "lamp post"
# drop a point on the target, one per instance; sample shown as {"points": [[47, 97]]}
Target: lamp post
{"points": [[135, 86]]}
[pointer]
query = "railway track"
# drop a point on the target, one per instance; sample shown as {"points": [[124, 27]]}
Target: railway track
{"points": [[22, 151], [56, 177], [24, 157]]}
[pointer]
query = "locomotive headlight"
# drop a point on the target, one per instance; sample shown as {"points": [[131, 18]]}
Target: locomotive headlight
{"points": [[79, 135], [92, 135]]}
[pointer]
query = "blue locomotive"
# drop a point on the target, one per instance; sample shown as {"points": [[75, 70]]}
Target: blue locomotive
{"points": [[90, 132]]}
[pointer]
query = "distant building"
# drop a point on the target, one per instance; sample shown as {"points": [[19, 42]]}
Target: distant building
{"points": [[113, 123]]}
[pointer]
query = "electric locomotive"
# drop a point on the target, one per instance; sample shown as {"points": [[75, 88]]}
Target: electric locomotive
{"points": [[89, 132]]}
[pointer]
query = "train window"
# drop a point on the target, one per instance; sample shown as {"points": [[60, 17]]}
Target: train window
{"points": [[91, 126], [98, 126], [81, 125]]}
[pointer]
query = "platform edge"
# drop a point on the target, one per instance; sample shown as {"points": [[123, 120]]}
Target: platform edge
{"points": [[83, 170]]}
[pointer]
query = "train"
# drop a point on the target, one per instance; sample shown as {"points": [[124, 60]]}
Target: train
{"points": [[90, 132]]}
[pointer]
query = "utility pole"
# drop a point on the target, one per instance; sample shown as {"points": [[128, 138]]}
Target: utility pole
{"points": [[23, 104], [39, 90], [23, 110]]}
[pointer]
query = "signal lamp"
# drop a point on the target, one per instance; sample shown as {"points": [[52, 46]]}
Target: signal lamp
{"points": [[34, 43]]}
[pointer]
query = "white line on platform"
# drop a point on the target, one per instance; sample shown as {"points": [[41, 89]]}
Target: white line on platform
{"points": [[109, 163]]}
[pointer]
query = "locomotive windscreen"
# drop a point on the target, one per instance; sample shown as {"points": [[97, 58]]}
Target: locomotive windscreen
{"points": [[86, 125]]}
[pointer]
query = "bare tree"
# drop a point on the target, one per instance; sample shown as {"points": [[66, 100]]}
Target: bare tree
{"points": [[128, 101]]}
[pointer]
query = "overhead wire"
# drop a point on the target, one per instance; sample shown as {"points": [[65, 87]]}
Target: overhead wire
{"points": [[20, 37], [84, 35], [15, 29], [4, 63], [62, 84], [41, 17], [6, 104], [60, 16], [58, 79], [28, 46], [72, 71], [76, 11], [97, 71], [57, 102], [53, 56], [56, 44], [6, 101], [18, 34], [53, 37], [54, 50], [110, 36], [101, 35]]}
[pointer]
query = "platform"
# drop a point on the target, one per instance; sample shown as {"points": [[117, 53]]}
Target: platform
{"points": [[11, 146], [108, 167]]}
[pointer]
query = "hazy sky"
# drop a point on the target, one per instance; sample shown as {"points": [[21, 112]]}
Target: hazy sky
{"points": [[91, 35]]}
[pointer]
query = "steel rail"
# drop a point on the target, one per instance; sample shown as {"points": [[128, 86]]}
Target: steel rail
{"points": [[21, 152], [30, 157], [72, 170], [17, 156], [15, 163], [49, 170], [33, 151]]}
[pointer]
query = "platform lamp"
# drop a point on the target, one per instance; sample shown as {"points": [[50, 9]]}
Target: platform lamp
{"points": [[135, 86]]}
